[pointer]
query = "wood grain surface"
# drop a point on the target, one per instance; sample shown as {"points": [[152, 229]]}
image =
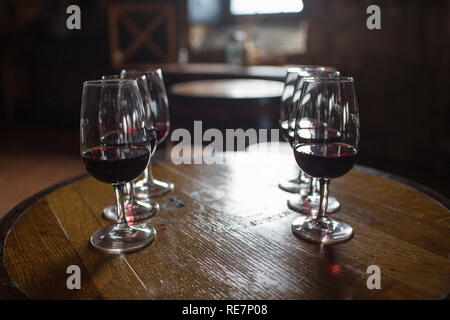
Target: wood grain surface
{"points": [[225, 233]]}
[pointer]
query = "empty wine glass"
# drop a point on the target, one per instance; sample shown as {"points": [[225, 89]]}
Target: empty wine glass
{"points": [[114, 109], [326, 142], [136, 210], [148, 186]]}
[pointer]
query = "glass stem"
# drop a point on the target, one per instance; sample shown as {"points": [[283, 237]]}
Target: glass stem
{"points": [[322, 217], [130, 191], [300, 176], [148, 175], [118, 190]]}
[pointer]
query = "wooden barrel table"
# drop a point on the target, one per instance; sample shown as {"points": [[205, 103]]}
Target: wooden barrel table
{"points": [[226, 103], [225, 233]]}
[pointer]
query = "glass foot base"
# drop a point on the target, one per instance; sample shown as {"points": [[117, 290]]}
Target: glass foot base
{"points": [[154, 188], [309, 204], [294, 185], [137, 212], [307, 229], [123, 239]]}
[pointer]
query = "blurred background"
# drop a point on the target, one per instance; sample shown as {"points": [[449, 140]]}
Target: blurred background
{"points": [[401, 72]]}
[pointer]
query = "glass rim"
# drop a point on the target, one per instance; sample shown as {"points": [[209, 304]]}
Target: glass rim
{"points": [[307, 68], [328, 78], [110, 81], [141, 72], [120, 77]]}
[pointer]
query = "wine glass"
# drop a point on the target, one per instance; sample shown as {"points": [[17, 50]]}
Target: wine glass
{"points": [[296, 184], [308, 200], [114, 109], [301, 184], [136, 210], [326, 142], [148, 186]]}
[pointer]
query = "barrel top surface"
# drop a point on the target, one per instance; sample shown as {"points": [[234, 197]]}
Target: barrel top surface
{"points": [[225, 233], [226, 70], [229, 89]]}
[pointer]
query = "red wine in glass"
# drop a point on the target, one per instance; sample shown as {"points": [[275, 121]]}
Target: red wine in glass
{"points": [[162, 130], [116, 164], [325, 160], [313, 132]]}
